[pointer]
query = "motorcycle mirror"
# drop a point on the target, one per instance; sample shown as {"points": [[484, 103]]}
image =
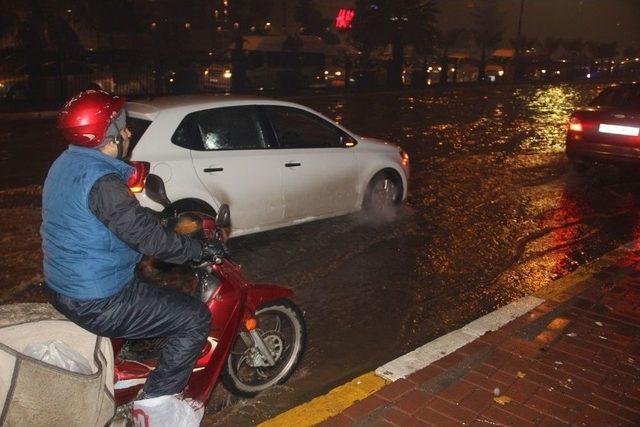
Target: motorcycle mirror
{"points": [[154, 189], [223, 219]]}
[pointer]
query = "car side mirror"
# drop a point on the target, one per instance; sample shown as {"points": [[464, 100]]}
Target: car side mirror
{"points": [[154, 189], [223, 219], [348, 141]]}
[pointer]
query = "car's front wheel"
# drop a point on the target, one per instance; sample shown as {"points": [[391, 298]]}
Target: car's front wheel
{"points": [[383, 195]]}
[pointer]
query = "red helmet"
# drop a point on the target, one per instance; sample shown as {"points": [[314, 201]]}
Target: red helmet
{"points": [[84, 119]]}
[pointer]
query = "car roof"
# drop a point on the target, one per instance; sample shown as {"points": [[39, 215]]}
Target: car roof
{"points": [[149, 108]]}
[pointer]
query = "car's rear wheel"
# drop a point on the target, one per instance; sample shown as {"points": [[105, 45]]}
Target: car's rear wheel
{"points": [[383, 195], [579, 166]]}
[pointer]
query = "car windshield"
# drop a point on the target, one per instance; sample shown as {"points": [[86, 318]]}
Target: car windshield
{"points": [[623, 96]]}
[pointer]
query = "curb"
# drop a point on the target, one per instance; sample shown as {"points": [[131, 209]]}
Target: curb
{"points": [[340, 398]]}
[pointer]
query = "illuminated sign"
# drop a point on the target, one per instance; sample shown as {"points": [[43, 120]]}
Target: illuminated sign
{"points": [[344, 19]]}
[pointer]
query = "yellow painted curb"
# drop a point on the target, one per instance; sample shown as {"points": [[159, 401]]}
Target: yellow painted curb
{"points": [[333, 403]]}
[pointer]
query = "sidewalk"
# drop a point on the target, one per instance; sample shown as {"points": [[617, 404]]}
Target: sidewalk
{"points": [[572, 360], [566, 362]]}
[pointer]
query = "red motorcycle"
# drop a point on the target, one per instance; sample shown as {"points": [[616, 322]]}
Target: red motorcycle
{"points": [[257, 334]]}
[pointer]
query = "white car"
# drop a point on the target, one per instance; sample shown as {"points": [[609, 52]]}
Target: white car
{"points": [[274, 163]]}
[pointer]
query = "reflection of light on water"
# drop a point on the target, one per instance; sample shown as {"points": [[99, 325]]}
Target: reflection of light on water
{"points": [[550, 107]]}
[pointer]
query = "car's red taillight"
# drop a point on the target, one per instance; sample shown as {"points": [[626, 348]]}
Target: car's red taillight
{"points": [[139, 175], [575, 125]]}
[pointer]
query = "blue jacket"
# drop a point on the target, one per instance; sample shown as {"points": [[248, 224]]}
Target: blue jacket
{"points": [[83, 259]]}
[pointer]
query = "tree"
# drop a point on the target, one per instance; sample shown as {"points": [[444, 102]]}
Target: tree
{"points": [[602, 51], [398, 23], [243, 16], [313, 22], [9, 21], [549, 47], [523, 43], [575, 49], [44, 32], [447, 40], [487, 31]]}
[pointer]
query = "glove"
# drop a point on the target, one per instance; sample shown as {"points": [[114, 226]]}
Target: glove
{"points": [[213, 250]]}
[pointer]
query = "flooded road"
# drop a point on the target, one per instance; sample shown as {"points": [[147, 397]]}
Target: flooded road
{"points": [[493, 214]]}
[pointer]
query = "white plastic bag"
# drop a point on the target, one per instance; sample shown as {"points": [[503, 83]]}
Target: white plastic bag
{"points": [[59, 354], [166, 411]]}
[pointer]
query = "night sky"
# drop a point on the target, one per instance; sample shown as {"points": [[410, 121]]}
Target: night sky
{"points": [[597, 20]]}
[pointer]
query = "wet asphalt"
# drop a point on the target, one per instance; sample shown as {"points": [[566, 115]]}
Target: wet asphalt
{"points": [[494, 213]]}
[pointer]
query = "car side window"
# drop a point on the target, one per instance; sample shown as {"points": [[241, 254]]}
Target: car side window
{"points": [[231, 128], [227, 128], [297, 128]]}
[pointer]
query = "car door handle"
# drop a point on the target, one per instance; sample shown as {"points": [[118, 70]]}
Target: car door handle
{"points": [[208, 170], [292, 164]]}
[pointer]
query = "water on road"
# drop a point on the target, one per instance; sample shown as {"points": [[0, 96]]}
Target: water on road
{"points": [[493, 214]]}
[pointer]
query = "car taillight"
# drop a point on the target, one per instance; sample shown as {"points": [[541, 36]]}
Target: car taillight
{"points": [[139, 175], [575, 125]]}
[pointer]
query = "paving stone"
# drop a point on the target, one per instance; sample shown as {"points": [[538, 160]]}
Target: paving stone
{"points": [[472, 348], [545, 407], [551, 422], [502, 417], [521, 390], [432, 417], [521, 411], [365, 406], [451, 410], [425, 374], [616, 409], [395, 390], [450, 360], [399, 418], [477, 400], [592, 416], [498, 358], [521, 347], [457, 391], [413, 400], [484, 382]]}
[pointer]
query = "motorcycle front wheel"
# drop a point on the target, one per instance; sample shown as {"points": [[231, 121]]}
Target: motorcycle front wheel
{"points": [[282, 328]]}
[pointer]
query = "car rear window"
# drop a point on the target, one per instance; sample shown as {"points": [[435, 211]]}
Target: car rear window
{"points": [[137, 127], [624, 96]]}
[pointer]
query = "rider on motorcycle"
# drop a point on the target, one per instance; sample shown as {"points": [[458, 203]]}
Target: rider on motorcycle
{"points": [[94, 232]]}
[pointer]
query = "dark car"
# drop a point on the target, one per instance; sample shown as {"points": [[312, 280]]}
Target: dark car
{"points": [[608, 130]]}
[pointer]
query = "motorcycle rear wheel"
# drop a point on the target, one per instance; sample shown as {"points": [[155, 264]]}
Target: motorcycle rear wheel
{"points": [[282, 327]]}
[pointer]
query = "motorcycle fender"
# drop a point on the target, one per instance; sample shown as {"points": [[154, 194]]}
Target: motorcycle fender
{"points": [[260, 294]]}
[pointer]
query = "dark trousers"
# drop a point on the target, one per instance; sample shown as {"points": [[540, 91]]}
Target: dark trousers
{"points": [[143, 310]]}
